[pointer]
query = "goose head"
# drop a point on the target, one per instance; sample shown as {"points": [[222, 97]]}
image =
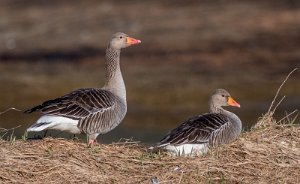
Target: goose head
{"points": [[222, 98], [121, 40]]}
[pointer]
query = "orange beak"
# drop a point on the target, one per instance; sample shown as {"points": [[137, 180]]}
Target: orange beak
{"points": [[132, 41], [232, 102]]}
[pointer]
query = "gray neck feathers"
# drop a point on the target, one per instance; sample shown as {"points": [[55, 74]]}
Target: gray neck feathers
{"points": [[234, 119], [232, 129], [112, 62], [114, 79], [213, 108]]}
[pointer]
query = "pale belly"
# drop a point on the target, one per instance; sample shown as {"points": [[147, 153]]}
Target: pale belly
{"points": [[187, 149]]}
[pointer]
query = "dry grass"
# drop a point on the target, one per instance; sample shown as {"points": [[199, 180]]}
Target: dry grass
{"points": [[269, 154]]}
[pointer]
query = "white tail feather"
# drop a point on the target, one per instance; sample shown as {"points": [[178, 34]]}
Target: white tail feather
{"points": [[56, 123]]}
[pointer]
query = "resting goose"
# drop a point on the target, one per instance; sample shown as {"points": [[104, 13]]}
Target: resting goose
{"points": [[92, 111], [197, 134]]}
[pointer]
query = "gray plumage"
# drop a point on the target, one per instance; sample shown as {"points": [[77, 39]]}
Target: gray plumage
{"points": [[93, 111], [211, 129]]}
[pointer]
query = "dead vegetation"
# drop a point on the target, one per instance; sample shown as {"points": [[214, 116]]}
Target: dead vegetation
{"points": [[269, 153]]}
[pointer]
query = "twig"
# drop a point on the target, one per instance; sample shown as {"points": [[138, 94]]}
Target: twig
{"points": [[287, 116], [180, 177], [9, 109], [45, 171], [274, 109], [8, 179], [278, 90], [6, 130]]}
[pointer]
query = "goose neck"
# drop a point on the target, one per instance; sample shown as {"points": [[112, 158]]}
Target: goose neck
{"points": [[114, 79], [112, 62], [235, 120]]}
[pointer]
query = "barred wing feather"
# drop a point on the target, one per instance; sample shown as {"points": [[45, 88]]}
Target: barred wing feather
{"points": [[90, 106], [196, 130]]}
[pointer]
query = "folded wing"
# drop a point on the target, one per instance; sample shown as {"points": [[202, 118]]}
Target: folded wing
{"points": [[92, 107], [196, 130]]}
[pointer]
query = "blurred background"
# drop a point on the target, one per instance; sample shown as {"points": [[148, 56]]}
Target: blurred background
{"points": [[189, 48]]}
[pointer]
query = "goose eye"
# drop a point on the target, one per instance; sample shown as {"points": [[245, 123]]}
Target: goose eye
{"points": [[223, 95], [121, 37]]}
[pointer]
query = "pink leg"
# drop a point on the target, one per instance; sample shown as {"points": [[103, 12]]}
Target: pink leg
{"points": [[91, 142], [92, 139]]}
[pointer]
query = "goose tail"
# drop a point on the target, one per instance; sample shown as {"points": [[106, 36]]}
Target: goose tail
{"points": [[55, 122], [37, 127]]}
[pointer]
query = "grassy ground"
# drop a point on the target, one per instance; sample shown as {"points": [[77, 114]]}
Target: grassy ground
{"points": [[269, 153]]}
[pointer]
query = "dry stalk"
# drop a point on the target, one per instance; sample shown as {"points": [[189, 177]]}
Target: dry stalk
{"points": [[267, 119], [9, 109], [286, 117], [278, 90]]}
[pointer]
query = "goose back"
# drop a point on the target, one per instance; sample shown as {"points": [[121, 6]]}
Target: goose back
{"points": [[97, 110]]}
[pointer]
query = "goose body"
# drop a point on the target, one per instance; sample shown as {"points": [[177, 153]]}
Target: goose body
{"points": [[197, 134], [92, 111]]}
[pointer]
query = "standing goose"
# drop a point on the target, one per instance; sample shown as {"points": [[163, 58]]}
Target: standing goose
{"points": [[92, 111], [197, 134]]}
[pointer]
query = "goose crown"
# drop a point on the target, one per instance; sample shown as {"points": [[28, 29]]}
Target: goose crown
{"points": [[220, 98], [121, 40]]}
